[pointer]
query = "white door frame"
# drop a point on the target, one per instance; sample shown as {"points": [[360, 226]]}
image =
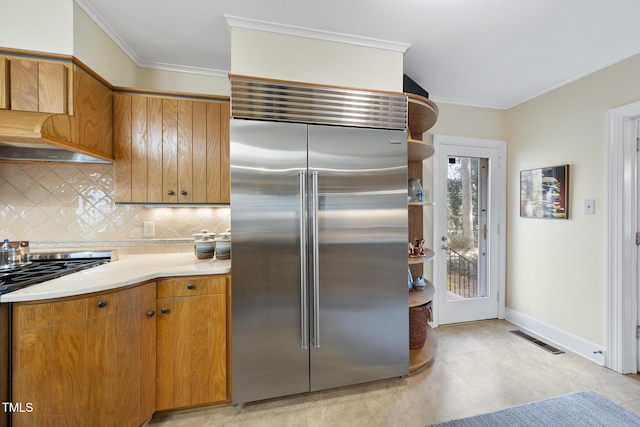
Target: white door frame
{"points": [[622, 218], [501, 229]]}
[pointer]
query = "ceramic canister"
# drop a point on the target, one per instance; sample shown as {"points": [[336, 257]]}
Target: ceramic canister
{"points": [[223, 245], [204, 244]]}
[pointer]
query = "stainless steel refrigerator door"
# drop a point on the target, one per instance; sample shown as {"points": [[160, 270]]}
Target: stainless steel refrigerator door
{"points": [[270, 356], [359, 323]]}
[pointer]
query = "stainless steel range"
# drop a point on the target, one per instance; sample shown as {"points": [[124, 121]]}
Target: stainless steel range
{"points": [[46, 266], [20, 269]]}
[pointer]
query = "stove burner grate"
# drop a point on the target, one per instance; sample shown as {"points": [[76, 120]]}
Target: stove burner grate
{"points": [[41, 271]]}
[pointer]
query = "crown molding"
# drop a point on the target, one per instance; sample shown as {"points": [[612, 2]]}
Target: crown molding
{"points": [[291, 30], [95, 16]]}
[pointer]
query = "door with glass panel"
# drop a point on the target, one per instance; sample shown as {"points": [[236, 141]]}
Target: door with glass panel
{"points": [[469, 211]]}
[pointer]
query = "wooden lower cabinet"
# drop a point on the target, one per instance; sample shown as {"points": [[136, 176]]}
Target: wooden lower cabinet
{"points": [[191, 342], [114, 358], [86, 361]]}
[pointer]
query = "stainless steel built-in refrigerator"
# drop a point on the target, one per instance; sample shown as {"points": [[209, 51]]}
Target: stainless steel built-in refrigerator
{"points": [[319, 261]]}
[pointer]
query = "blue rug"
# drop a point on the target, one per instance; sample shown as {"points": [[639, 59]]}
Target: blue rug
{"points": [[583, 409]]}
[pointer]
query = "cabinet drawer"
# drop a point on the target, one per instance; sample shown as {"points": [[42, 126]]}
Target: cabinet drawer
{"points": [[101, 305], [74, 310], [127, 299], [31, 316], [191, 286]]}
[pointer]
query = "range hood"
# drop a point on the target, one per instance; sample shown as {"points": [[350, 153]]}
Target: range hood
{"points": [[31, 136]]}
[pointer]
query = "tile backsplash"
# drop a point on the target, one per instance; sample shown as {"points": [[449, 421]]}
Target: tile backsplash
{"points": [[74, 202]]}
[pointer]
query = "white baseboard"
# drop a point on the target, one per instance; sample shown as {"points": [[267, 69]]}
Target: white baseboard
{"points": [[558, 337]]}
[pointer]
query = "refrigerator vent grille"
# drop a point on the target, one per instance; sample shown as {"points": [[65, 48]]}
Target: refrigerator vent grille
{"points": [[291, 102]]}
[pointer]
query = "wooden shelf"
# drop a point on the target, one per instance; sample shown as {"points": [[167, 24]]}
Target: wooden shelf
{"points": [[419, 150], [422, 204], [420, 357], [422, 297], [428, 254], [423, 114]]}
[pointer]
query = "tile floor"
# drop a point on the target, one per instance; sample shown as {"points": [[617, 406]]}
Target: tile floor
{"points": [[479, 367]]}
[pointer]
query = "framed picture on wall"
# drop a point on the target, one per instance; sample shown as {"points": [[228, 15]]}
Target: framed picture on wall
{"points": [[544, 192]]}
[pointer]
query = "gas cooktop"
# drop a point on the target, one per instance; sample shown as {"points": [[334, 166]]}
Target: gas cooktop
{"points": [[47, 266]]}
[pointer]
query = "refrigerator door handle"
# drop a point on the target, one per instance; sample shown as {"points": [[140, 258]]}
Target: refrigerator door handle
{"points": [[316, 269], [304, 338]]}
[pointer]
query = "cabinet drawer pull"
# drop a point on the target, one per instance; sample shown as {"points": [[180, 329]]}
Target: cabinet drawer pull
{"points": [[183, 193], [102, 304], [190, 286], [170, 192], [164, 310], [151, 313]]}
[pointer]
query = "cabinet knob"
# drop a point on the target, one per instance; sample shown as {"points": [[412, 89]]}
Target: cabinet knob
{"points": [[164, 310], [170, 192], [102, 304], [151, 313], [183, 193], [190, 286]]}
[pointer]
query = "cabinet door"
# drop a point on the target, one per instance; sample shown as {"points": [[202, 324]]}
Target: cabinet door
{"points": [[93, 110], [225, 168], [147, 361], [169, 150], [165, 358], [192, 347], [138, 148], [100, 368], [122, 144], [200, 342], [39, 86], [185, 151]]}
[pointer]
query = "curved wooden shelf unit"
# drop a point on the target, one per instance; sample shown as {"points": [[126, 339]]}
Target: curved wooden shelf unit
{"points": [[428, 254], [423, 114], [422, 297], [422, 204], [419, 150], [420, 357]]}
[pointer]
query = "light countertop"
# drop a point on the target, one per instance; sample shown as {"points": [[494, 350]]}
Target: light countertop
{"points": [[127, 270]]}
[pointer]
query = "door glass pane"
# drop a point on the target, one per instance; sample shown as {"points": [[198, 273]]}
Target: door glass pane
{"points": [[466, 227]]}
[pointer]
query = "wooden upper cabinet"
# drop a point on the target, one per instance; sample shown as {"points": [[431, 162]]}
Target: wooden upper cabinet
{"points": [[76, 107], [93, 111], [37, 85], [170, 150]]}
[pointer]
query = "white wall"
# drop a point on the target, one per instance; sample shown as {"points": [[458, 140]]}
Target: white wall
{"points": [[556, 268], [172, 81], [283, 57], [94, 48], [38, 25], [62, 27], [473, 122]]}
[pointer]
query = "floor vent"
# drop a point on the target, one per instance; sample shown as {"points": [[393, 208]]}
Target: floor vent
{"points": [[537, 342]]}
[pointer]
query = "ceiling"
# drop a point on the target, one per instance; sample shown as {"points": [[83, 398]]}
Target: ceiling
{"points": [[489, 53]]}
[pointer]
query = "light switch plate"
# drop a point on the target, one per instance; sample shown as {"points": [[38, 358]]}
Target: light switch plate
{"points": [[589, 206]]}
